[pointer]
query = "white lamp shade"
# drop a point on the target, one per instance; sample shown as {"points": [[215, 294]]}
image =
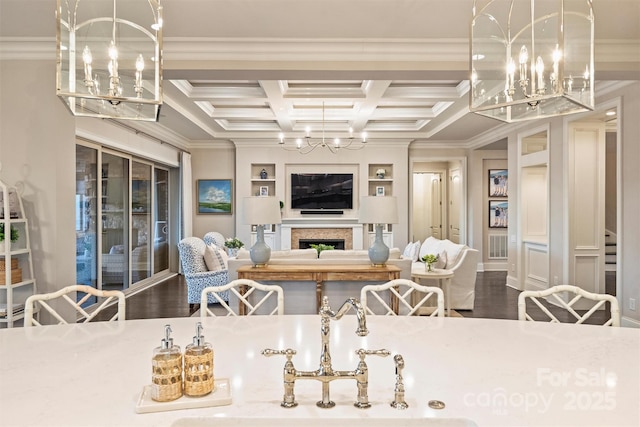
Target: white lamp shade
{"points": [[261, 210], [378, 210]]}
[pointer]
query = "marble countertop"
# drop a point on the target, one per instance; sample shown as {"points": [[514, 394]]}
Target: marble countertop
{"points": [[487, 372]]}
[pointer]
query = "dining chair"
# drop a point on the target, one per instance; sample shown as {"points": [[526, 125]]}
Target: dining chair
{"points": [[41, 299], [246, 291], [556, 294], [403, 297]]}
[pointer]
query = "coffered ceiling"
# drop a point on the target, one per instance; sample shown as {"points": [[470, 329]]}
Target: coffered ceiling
{"points": [[249, 69]]}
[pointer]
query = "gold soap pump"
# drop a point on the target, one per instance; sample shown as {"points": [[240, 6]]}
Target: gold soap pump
{"points": [[198, 366], [167, 370]]}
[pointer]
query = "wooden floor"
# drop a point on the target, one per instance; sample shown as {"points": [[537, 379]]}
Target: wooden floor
{"points": [[493, 299]]}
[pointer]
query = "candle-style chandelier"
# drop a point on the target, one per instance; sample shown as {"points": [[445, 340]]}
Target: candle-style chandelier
{"points": [[109, 58], [531, 59], [308, 144]]}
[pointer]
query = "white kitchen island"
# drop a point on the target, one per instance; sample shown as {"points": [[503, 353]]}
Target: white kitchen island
{"points": [[487, 372]]}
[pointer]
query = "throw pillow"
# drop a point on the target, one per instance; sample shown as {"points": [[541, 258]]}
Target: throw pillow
{"points": [[442, 260], [416, 250], [215, 258], [431, 245], [454, 252], [411, 251], [408, 251]]}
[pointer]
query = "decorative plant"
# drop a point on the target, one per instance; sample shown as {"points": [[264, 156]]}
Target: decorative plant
{"points": [[234, 243], [429, 259], [281, 204], [322, 247], [14, 233]]}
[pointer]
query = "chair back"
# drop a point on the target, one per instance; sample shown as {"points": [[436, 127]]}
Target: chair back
{"points": [[215, 238], [191, 251], [555, 293], [251, 296], [409, 297], [41, 300]]}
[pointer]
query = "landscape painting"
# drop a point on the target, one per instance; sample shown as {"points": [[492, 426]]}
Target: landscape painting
{"points": [[215, 196]]}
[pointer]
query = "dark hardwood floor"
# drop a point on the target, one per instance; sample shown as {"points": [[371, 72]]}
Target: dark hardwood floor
{"points": [[494, 300]]}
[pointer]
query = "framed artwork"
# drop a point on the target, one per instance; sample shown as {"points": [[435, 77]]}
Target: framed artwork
{"points": [[498, 183], [379, 191], [215, 196], [264, 191], [498, 214]]}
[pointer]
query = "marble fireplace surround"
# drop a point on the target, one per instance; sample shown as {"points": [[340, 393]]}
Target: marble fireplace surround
{"points": [[313, 228]]}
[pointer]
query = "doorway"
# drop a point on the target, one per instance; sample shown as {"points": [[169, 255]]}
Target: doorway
{"points": [[438, 200]]}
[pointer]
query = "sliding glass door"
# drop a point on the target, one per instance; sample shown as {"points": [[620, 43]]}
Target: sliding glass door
{"points": [[140, 221], [115, 221], [161, 229], [86, 215], [122, 218]]}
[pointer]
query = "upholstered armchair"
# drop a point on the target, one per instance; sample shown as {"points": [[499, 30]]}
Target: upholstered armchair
{"points": [[196, 273]]}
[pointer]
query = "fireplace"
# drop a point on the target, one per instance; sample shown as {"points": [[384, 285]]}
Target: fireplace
{"points": [[306, 243], [340, 238]]}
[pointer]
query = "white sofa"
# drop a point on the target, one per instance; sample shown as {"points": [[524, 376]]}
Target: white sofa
{"points": [[461, 259], [300, 297]]}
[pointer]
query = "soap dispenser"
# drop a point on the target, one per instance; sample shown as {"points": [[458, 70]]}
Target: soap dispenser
{"points": [[198, 366], [167, 370]]}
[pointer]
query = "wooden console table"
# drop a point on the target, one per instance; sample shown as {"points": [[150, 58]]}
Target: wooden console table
{"points": [[320, 274]]}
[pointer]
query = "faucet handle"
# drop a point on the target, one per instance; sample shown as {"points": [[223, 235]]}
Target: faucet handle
{"points": [[271, 352], [383, 352]]}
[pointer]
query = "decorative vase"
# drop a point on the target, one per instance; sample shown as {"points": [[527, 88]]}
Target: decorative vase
{"points": [[428, 266], [232, 252], [381, 175], [263, 174]]}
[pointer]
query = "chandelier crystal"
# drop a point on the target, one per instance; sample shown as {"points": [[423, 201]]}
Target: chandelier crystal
{"points": [[531, 59], [309, 144], [109, 58]]}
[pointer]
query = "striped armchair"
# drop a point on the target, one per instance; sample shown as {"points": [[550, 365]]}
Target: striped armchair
{"points": [[195, 271]]}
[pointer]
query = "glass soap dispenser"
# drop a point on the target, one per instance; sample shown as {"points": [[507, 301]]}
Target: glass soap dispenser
{"points": [[198, 366], [167, 370]]}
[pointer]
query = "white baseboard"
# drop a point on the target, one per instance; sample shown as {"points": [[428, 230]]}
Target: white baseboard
{"points": [[512, 282]]}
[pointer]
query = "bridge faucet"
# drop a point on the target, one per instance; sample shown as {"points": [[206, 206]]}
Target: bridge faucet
{"points": [[325, 372]]}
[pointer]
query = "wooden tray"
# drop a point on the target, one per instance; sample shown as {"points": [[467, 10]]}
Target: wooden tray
{"points": [[220, 396]]}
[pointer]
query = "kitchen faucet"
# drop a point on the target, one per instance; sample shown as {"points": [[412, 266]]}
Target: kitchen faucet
{"points": [[325, 372]]}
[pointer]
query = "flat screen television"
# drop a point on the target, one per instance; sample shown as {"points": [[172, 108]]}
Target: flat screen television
{"points": [[322, 191]]}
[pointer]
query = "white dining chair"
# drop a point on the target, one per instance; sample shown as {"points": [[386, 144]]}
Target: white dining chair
{"points": [[556, 294], [41, 300], [251, 296], [401, 296]]}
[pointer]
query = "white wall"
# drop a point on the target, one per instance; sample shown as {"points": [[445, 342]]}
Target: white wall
{"points": [[37, 153], [390, 153], [214, 163]]}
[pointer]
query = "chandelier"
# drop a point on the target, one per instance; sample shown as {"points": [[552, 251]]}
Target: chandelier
{"points": [[308, 144], [531, 59], [109, 58]]}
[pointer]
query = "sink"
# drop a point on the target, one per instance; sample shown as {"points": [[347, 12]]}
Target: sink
{"points": [[322, 422]]}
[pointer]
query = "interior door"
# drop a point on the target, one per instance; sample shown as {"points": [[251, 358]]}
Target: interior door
{"points": [[436, 205], [421, 206], [455, 203]]}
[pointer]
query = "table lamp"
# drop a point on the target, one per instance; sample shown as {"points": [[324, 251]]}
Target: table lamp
{"points": [[378, 210], [260, 211]]}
